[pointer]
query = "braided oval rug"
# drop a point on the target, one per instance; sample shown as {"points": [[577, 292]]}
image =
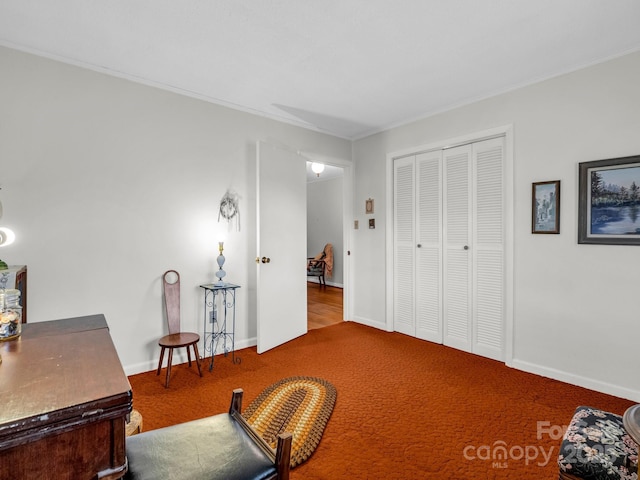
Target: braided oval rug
{"points": [[299, 405]]}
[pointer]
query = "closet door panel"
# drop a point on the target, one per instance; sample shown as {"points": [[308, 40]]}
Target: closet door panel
{"points": [[488, 255], [457, 263], [489, 299], [456, 302], [404, 246], [449, 234], [429, 247]]}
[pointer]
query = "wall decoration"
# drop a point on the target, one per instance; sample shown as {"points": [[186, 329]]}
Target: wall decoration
{"points": [[545, 207], [368, 206], [229, 208], [372, 223], [609, 201]]}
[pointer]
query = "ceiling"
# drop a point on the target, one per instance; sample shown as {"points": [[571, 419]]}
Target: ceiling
{"points": [[349, 68]]}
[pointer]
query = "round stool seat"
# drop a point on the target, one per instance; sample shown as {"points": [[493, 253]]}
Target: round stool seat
{"points": [[134, 425], [176, 340]]}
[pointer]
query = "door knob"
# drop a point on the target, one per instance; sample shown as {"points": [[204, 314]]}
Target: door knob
{"points": [[419, 245], [266, 259], [466, 247]]}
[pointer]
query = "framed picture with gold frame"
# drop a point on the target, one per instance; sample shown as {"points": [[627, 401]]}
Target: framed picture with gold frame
{"points": [[368, 206]]}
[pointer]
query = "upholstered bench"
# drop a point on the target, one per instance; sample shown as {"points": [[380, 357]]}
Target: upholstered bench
{"points": [[221, 447], [596, 446]]}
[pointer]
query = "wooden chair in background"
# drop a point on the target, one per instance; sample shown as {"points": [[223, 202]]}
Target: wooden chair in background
{"points": [[176, 338], [317, 266]]}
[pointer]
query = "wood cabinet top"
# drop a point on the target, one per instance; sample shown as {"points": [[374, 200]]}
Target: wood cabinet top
{"points": [[57, 371]]}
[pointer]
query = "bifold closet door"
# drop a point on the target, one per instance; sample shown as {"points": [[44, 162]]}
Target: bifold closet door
{"points": [[473, 261], [449, 247], [404, 245], [428, 278], [457, 247], [418, 246], [488, 281]]}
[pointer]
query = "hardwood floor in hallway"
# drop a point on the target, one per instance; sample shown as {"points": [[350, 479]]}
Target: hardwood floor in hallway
{"points": [[324, 306]]}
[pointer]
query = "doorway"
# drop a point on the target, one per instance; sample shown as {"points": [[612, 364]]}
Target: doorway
{"points": [[324, 306], [325, 224]]}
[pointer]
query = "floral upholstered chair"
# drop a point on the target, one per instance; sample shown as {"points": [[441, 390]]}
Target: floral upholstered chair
{"points": [[596, 446]]}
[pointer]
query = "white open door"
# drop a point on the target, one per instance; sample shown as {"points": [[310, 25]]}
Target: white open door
{"points": [[281, 246]]}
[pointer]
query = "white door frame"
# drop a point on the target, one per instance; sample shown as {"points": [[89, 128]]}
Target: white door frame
{"points": [[347, 216], [507, 132]]}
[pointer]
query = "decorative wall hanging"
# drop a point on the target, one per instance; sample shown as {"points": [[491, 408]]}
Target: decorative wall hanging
{"points": [[609, 201], [229, 208], [368, 206], [545, 207]]}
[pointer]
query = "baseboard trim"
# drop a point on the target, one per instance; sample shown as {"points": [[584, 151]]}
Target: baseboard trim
{"points": [[371, 323], [181, 357], [578, 380], [329, 284]]}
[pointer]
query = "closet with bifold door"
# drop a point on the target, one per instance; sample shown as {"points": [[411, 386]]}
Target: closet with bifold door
{"points": [[449, 246]]}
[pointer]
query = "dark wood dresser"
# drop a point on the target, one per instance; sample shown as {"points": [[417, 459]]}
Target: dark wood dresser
{"points": [[64, 400]]}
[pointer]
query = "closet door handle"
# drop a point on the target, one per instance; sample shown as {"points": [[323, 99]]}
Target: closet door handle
{"points": [[419, 245], [466, 247]]}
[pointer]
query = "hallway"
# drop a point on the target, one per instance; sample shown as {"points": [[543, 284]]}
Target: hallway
{"points": [[324, 306]]}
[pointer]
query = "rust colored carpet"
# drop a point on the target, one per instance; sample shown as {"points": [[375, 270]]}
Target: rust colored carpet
{"points": [[406, 409]]}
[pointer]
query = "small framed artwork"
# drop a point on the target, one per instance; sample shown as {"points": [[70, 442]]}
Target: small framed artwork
{"points": [[609, 201], [368, 206], [545, 206]]}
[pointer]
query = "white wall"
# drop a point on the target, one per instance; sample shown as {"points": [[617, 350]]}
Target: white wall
{"points": [[324, 223], [576, 310], [108, 183]]}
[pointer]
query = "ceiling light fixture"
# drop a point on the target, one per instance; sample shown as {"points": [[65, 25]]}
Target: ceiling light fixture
{"points": [[317, 168]]}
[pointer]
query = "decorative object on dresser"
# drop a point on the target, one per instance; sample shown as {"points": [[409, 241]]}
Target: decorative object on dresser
{"points": [[15, 276], [65, 399], [10, 314]]}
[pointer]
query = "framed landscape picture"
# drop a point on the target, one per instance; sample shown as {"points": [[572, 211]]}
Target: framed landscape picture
{"points": [[609, 201], [545, 207]]}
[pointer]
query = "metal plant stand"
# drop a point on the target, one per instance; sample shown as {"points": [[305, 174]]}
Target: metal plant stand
{"points": [[219, 320]]}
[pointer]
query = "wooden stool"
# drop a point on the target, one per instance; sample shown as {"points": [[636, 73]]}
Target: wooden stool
{"points": [[134, 425]]}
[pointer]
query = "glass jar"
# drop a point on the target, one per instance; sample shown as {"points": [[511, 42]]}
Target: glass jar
{"points": [[10, 314]]}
